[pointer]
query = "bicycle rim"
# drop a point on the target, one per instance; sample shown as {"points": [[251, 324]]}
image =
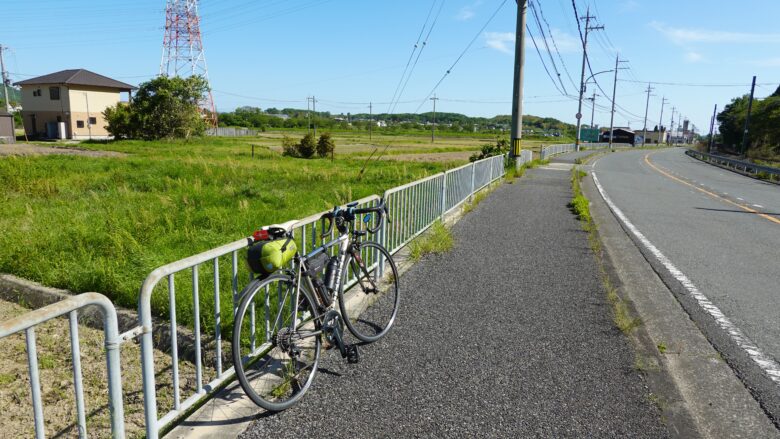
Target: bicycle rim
{"points": [[275, 363], [369, 296]]}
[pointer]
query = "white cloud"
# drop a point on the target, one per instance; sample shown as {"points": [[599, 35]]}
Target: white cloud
{"points": [[505, 41], [686, 36], [465, 14], [500, 41], [468, 12], [628, 6], [694, 57]]}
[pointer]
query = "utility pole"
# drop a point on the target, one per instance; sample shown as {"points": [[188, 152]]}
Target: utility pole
{"points": [[712, 129], [592, 108], [5, 80], [308, 114], [647, 107], [517, 85], [588, 28], [614, 91], [661, 121], [309, 110], [671, 127], [433, 127], [747, 119], [370, 119]]}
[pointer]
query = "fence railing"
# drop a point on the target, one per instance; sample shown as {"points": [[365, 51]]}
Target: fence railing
{"points": [[213, 280], [737, 165], [71, 307], [231, 132]]}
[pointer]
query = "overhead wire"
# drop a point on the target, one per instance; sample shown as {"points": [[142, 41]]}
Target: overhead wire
{"points": [[541, 58], [546, 45], [552, 38], [411, 55], [424, 44], [468, 46]]}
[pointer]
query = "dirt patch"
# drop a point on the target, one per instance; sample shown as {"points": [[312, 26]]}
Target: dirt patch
{"points": [[454, 156], [56, 377], [29, 149]]}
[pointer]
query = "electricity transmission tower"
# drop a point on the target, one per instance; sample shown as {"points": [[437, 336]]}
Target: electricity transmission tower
{"points": [[182, 53]]}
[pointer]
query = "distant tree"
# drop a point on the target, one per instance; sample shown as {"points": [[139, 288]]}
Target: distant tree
{"points": [[161, 108], [325, 145], [121, 121], [307, 147], [289, 147]]}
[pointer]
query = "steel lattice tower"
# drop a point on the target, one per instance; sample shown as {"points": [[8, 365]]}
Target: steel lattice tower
{"points": [[183, 53]]}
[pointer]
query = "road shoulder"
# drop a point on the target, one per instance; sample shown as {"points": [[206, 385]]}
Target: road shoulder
{"points": [[698, 393]]}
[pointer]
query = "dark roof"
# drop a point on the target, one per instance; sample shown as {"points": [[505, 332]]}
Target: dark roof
{"points": [[77, 77]]}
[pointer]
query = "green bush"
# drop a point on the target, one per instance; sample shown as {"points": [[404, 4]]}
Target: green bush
{"points": [[325, 146], [307, 147]]}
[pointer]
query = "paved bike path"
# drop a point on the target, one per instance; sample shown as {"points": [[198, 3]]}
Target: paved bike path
{"points": [[507, 335]]}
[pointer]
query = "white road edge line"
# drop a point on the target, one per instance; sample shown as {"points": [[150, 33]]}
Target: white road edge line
{"points": [[769, 366]]}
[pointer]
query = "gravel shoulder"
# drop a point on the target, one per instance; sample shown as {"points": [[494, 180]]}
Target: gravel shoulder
{"points": [[29, 149], [507, 335]]}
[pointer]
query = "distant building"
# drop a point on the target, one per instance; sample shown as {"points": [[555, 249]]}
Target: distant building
{"points": [[620, 135], [69, 104], [654, 136]]}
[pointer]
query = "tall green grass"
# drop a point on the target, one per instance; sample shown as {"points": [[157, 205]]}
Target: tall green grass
{"points": [[102, 224]]}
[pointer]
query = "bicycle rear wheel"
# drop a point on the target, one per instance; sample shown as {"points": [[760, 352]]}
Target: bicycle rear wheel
{"points": [[370, 304], [275, 355]]}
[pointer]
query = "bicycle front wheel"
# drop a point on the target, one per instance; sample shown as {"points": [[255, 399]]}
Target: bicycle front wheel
{"points": [[369, 294], [275, 353]]}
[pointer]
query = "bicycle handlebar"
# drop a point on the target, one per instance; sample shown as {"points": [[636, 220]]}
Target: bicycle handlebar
{"points": [[342, 217]]}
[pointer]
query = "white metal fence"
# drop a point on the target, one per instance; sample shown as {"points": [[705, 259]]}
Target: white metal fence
{"points": [[214, 279], [71, 307], [231, 132]]}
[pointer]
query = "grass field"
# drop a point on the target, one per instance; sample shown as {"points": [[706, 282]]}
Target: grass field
{"points": [[102, 224]]}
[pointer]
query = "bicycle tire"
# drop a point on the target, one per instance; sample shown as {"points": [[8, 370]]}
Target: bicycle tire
{"points": [[371, 314], [271, 376]]}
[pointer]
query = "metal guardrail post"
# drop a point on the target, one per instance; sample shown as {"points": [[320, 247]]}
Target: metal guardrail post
{"points": [[443, 195], [473, 174]]}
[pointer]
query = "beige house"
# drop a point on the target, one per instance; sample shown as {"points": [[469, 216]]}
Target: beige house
{"points": [[69, 104], [654, 136]]}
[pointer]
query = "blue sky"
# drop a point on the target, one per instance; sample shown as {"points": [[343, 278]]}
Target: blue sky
{"points": [[275, 53]]}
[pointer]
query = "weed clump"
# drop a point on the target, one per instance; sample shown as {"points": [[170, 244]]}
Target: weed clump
{"points": [[437, 240]]}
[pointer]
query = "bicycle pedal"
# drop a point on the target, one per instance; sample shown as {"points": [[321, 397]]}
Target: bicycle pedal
{"points": [[353, 356]]}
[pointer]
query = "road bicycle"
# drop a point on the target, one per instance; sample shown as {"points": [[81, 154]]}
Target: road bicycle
{"points": [[276, 359]]}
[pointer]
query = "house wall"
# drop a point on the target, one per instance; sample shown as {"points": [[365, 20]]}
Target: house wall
{"points": [[70, 108], [96, 100]]}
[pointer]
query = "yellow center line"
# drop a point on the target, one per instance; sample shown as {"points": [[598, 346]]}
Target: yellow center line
{"points": [[713, 195]]}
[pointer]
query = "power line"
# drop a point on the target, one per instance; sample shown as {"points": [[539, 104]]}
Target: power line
{"points": [[424, 44], [541, 12], [411, 55], [468, 46], [546, 45], [690, 84], [541, 58]]}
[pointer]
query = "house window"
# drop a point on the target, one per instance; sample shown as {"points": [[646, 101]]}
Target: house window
{"points": [[37, 92], [54, 93], [93, 121], [79, 124]]}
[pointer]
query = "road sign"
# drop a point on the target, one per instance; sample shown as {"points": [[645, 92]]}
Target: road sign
{"points": [[578, 116]]}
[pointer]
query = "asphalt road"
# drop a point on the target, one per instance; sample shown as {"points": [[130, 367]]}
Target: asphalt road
{"points": [[507, 335], [727, 251]]}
